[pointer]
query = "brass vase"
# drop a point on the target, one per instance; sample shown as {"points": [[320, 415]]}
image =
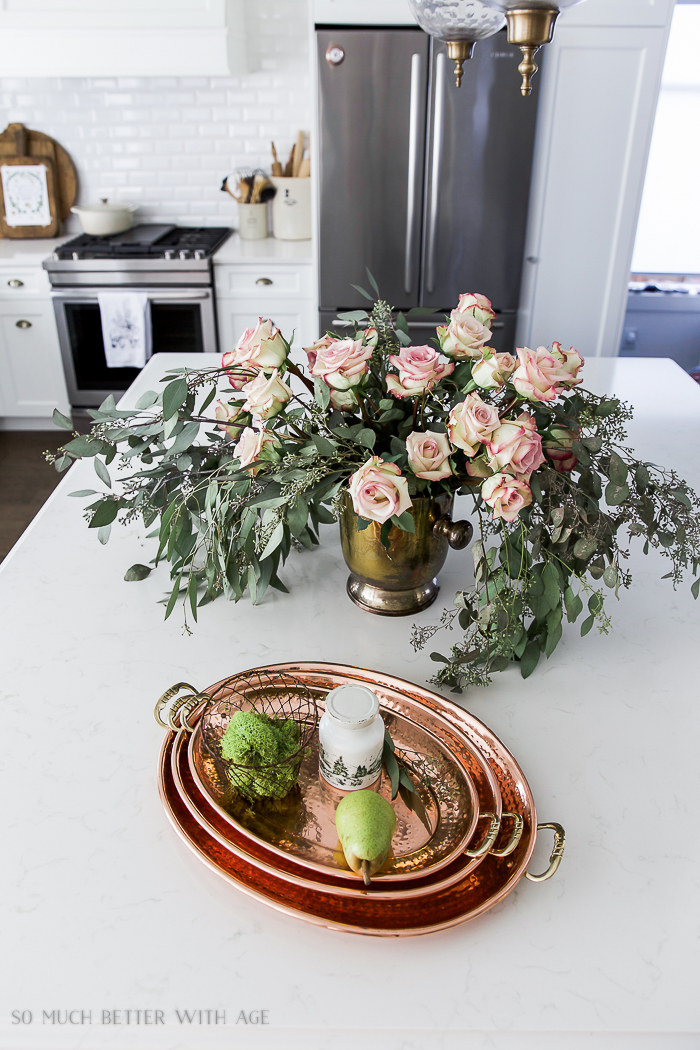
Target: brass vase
{"points": [[401, 580]]}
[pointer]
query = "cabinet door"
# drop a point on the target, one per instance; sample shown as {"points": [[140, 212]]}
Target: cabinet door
{"points": [[235, 316], [31, 373]]}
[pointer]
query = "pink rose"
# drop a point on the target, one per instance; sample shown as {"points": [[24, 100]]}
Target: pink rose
{"points": [[492, 371], [253, 445], [478, 305], [227, 413], [420, 368], [265, 397], [258, 348], [343, 400], [379, 491], [471, 423], [341, 363], [506, 495], [320, 344], [464, 337], [540, 376], [571, 360], [557, 447], [516, 445], [428, 455]]}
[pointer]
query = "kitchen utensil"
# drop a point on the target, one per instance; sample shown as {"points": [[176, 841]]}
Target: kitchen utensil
{"points": [[27, 190], [277, 168], [289, 166], [40, 145], [104, 218], [305, 168], [298, 154]]}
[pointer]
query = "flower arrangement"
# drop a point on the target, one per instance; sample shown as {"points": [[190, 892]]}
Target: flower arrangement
{"points": [[555, 491]]}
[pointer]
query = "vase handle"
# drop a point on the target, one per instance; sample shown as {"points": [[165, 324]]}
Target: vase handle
{"points": [[457, 533]]}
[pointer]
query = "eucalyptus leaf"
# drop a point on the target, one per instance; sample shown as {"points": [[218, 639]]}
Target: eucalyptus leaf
{"points": [[174, 397], [137, 572], [62, 421], [102, 472]]}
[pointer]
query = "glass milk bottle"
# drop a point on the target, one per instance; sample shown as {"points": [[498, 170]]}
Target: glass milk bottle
{"points": [[351, 738]]}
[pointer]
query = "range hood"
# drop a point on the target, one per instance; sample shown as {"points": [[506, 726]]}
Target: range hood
{"points": [[97, 38]]}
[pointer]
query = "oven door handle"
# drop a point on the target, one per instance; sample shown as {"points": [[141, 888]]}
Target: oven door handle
{"points": [[155, 297]]}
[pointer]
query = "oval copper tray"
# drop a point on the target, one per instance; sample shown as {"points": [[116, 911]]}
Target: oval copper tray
{"points": [[286, 868], [459, 785], [474, 894]]}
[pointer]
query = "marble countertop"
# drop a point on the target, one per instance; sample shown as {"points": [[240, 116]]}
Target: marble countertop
{"points": [[27, 251], [103, 909], [270, 250]]}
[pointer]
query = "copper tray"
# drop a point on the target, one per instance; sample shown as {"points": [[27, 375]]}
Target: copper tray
{"points": [[480, 890], [381, 910], [286, 868], [460, 786]]}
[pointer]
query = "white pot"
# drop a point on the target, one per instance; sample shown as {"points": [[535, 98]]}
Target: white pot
{"points": [[102, 219], [252, 222], [291, 208]]}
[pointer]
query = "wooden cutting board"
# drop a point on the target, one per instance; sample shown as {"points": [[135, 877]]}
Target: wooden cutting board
{"points": [[20, 145]]}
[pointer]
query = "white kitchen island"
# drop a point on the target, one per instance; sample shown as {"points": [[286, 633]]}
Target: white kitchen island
{"points": [[115, 936]]}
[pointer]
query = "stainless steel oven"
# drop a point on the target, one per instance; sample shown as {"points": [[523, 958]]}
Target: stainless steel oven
{"points": [[182, 321], [171, 265]]}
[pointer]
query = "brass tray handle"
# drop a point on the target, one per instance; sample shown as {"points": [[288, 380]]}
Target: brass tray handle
{"points": [[494, 828], [457, 533], [516, 835], [557, 853], [179, 712]]}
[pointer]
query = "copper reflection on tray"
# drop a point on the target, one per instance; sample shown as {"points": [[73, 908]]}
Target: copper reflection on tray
{"points": [[429, 912], [449, 774]]}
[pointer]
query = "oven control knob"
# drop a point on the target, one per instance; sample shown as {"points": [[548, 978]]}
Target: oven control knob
{"points": [[76, 256], [170, 254], [199, 254], [185, 254]]}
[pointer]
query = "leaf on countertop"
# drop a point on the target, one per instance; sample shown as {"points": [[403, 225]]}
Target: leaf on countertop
{"points": [[137, 572]]}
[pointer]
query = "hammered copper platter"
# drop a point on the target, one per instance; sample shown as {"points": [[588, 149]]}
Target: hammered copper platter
{"points": [[285, 868], [476, 893], [304, 829]]}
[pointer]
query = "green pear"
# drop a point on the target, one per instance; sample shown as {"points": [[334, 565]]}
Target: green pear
{"points": [[366, 823]]}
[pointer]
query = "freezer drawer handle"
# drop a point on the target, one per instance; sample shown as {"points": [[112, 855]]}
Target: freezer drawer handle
{"points": [[263, 280], [412, 195], [438, 139], [15, 283], [23, 324]]}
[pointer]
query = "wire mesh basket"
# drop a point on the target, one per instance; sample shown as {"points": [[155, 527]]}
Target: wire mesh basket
{"points": [[288, 708]]}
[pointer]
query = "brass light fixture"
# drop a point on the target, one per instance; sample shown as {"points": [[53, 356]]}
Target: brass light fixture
{"points": [[459, 24], [530, 25]]}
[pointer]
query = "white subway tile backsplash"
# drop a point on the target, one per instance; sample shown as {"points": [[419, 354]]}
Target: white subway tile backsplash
{"points": [[166, 143]]}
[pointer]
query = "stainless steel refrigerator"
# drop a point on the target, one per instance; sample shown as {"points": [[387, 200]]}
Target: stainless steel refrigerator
{"points": [[424, 183]]}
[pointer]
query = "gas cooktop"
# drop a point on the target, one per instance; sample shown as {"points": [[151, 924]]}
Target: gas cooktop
{"points": [[147, 241]]}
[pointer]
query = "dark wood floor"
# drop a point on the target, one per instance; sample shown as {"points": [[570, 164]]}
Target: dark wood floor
{"points": [[26, 479]]}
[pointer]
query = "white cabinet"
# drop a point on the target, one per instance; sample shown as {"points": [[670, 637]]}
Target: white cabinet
{"points": [[122, 38], [268, 279], [599, 91], [31, 374]]}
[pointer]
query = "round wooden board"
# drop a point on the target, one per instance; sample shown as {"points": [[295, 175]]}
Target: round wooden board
{"points": [[41, 145]]}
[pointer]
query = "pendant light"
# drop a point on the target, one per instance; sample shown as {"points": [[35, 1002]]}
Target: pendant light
{"points": [[459, 24], [530, 25]]}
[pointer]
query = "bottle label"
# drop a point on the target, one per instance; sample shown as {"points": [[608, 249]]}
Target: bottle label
{"points": [[342, 774]]}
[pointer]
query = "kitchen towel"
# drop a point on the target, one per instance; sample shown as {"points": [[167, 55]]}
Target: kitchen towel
{"points": [[126, 328]]}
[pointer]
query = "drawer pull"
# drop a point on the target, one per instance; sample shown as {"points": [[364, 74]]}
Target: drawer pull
{"points": [[263, 280], [24, 324], [15, 283]]}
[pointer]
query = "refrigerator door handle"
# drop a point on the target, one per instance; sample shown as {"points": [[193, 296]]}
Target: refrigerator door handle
{"points": [[436, 172], [413, 171]]}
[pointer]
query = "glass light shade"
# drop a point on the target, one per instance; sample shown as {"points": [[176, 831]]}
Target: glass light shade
{"points": [[509, 5], [449, 20]]}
